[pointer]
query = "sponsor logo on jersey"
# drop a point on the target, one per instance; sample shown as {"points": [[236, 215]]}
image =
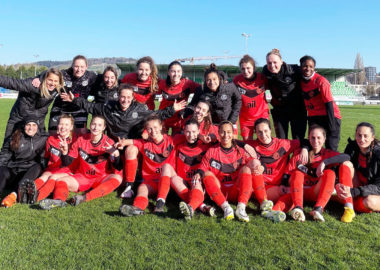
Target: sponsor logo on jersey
{"points": [[69, 84], [55, 151], [149, 155], [181, 156], [241, 90], [215, 165], [83, 154]]}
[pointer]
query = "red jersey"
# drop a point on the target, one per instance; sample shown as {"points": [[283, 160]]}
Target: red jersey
{"points": [[311, 176], [53, 151], [254, 104], [92, 159], [316, 92], [142, 93], [178, 92], [189, 157], [274, 157], [155, 155], [224, 163]]}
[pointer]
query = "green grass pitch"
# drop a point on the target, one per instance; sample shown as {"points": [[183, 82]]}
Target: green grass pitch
{"points": [[94, 236]]}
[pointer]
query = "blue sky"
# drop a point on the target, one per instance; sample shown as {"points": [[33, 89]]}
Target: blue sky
{"points": [[332, 31]]}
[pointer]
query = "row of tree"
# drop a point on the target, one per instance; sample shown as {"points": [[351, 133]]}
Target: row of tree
{"points": [[22, 72]]}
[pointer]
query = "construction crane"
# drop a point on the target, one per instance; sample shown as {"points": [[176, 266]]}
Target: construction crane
{"points": [[201, 58]]}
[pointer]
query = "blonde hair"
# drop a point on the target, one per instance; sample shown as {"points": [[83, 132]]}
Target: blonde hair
{"points": [[44, 89], [153, 74], [274, 52]]}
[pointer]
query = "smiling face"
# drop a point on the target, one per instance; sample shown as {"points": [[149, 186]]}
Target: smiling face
{"points": [[52, 81], [274, 63], [65, 127], [212, 81], [175, 74], [226, 135], [191, 133], [247, 70], [31, 129], [201, 111], [308, 68], [79, 67], [125, 98], [317, 139], [109, 79], [264, 133], [154, 129], [143, 71], [97, 126], [364, 137]]}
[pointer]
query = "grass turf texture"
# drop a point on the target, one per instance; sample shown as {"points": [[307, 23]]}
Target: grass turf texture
{"points": [[94, 235]]}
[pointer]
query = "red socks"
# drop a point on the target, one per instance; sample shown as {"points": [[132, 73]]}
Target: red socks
{"points": [[245, 188], [259, 187], [184, 195], [141, 202], [130, 170], [296, 187], [284, 203], [45, 190], [196, 198], [213, 190], [61, 191], [345, 179], [103, 189], [39, 183], [360, 207], [327, 188], [163, 187]]}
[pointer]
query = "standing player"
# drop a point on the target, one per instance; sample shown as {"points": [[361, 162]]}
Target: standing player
{"points": [[175, 88], [364, 154], [251, 85], [145, 81], [287, 102], [315, 181], [156, 151], [188, 158], [106, 86], [268, 179], [319, 102], [224, 175], [96, 161]]}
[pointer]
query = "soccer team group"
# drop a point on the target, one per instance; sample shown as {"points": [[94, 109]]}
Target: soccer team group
{"points": [[128, 140]]}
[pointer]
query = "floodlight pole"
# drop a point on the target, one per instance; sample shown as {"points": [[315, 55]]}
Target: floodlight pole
{"points": [[35, 66], [246, 36]]}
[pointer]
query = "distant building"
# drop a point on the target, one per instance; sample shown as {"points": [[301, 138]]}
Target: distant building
{"points": [[370, 73]]}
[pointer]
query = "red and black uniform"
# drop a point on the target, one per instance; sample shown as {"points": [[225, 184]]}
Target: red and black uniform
{"points": [[179, 92], [53, 153], [321, 108], [303, 180], [94, 163], [254, 104], [212, 130], [142, 92], [225, 164]]}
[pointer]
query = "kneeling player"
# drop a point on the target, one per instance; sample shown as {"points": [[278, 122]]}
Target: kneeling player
{"points": [[97, 161]]}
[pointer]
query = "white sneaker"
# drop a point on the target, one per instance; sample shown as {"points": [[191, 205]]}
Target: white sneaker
{"points": [[298, 215], [275, 216], [241, 213], [228, 213], [317, 215], [127, 193]]}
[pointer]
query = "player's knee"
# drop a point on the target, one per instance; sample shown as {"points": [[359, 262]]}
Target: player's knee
{"points": [[131, 152], [372, 202]]}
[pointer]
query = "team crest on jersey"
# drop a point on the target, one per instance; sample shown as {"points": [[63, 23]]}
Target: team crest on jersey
{"points": [[223, 97], [135, 115], [83, 155], [85, 83], [242, 91], [135, 89], [115, 95], [207, 98], [276, 155], [216, 165], [55, 118], [69, 84]]}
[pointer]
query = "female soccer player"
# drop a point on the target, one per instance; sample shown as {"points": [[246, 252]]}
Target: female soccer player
{"points": [[224, 98], [175, 88], [287, 102], [251, 85], [225, 176], [21, 161], [106, 86], [315, 181], [188, 158], [78, 80], [157, 151], [268, 178], [145, 81], [45, 184], [364, 154], [96, 161], [32, 101], [319, 102]]}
